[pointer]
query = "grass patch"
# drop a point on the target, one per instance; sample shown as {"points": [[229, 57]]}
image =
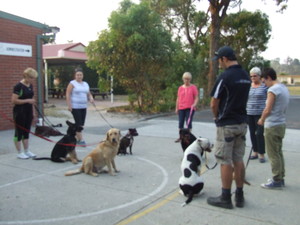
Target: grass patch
{"points": [[294, 90], [121, 109], [54, 112]]}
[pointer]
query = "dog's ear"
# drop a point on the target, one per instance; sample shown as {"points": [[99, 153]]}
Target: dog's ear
{"points": [[69, 123], [107, 135]]}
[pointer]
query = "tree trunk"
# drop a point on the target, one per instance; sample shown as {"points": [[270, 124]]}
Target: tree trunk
{"points": [[213, 46], [217, 11]]}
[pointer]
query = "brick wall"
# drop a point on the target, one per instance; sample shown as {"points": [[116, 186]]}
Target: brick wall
{"points": [[12, 67]]}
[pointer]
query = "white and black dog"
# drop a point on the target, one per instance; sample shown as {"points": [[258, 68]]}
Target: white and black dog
{"points": [[191, 182]]}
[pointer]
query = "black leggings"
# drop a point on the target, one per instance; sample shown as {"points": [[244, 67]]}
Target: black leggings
{"points": [[256, 134], [22, 125], [79, 116]]}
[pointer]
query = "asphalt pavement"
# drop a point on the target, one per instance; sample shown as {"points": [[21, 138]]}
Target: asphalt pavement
{"points": [[146, 189]]}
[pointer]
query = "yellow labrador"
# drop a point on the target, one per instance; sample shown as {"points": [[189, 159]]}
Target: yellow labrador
{"points": [[103, 155]]}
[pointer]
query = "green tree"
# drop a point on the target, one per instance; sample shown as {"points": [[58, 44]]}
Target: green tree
{"points": [[209, 25], [247, 33], [137, 50]]}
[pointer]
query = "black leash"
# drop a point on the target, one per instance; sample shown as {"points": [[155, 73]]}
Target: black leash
{"points": [[101, 115], [249, 158], [209, 168], [47, 121], [214, 166]]}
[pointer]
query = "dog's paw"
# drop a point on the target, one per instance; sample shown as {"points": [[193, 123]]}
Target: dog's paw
{"points": [[94, 174]]}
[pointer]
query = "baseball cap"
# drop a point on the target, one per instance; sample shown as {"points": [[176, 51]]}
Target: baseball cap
{"points": [[225, 51]]}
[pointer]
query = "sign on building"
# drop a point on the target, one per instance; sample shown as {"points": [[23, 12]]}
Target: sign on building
{"points": [[15, 49]]}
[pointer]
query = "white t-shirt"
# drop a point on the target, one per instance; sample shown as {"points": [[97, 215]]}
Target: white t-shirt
{"points": [[79, 94]]}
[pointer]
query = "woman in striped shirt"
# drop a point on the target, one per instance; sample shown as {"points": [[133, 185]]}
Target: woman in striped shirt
{"points": [[255, 105]]}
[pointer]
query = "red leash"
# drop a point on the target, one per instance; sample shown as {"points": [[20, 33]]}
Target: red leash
{"points": [[40, 136]]}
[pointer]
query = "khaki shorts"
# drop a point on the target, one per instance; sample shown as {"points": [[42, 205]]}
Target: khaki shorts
{"points": [[230, 144]]}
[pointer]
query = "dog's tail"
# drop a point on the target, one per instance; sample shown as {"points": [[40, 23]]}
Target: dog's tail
{"points": [[42, 158], [73, 172]]}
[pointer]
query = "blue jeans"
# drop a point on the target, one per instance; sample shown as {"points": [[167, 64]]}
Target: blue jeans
{"points": [[183, 116]]}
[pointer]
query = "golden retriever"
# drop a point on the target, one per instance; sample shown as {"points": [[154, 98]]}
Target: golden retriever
{"points": [[103, 155]]}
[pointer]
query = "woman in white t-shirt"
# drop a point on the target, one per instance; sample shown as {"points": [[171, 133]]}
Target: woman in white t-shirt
{"points": [[77, 95]]}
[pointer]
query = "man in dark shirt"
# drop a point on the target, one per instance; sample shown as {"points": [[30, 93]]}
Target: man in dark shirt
{"points": [[228, 104]]}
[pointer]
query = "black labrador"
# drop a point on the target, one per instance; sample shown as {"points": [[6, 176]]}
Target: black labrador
{"points": [[186, 138], [64, 149]]}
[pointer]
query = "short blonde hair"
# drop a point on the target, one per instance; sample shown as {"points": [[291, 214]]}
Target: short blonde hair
{"points": [[255, 70], [30, 72], [187, 75]]}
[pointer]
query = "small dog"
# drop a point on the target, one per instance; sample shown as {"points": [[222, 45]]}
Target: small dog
{"points": [[64, 149], [103, 155], [191, 182], [186, 138], [46, 131], [127, 141]]}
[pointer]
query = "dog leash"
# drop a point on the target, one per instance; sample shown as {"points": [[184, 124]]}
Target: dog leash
{"points": [[209, 168], [40, 136], [190, 117], [47, 121], [249, 158], [93, 103]]}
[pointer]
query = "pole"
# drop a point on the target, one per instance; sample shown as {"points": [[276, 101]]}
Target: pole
{"points": [[111, 89], [46, 80], [39, 70]]}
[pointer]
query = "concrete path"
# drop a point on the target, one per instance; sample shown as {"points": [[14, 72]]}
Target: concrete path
{"points": [[145, 191]]}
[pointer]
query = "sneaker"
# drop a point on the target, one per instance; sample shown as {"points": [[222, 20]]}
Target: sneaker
{"points": [[81, 143], [22, 155], [30, 154], [272, 184], [239, 200], [282, 181], [220, 201], [262, 160]]}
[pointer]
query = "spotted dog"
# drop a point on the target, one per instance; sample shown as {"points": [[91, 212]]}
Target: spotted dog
{"points": [[191, 182]]}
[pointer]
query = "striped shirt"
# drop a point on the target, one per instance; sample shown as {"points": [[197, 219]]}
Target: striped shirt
{"points": [[257, 100]]}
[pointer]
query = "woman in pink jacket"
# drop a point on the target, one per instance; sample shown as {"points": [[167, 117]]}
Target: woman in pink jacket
{"points": [[187, 99]]}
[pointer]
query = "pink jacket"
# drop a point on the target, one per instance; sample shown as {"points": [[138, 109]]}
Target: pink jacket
{"points": [[186, 96]]}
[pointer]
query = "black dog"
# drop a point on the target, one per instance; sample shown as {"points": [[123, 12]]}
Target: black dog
{"points": [[46, 131], [186, 138], [64, 149], [127, 141]]}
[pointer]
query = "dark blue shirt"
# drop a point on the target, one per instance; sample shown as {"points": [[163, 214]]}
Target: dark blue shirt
{"points": [[232, 89]]}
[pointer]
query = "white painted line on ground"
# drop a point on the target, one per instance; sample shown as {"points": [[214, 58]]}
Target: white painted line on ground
{"points": [[52, 220]]}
